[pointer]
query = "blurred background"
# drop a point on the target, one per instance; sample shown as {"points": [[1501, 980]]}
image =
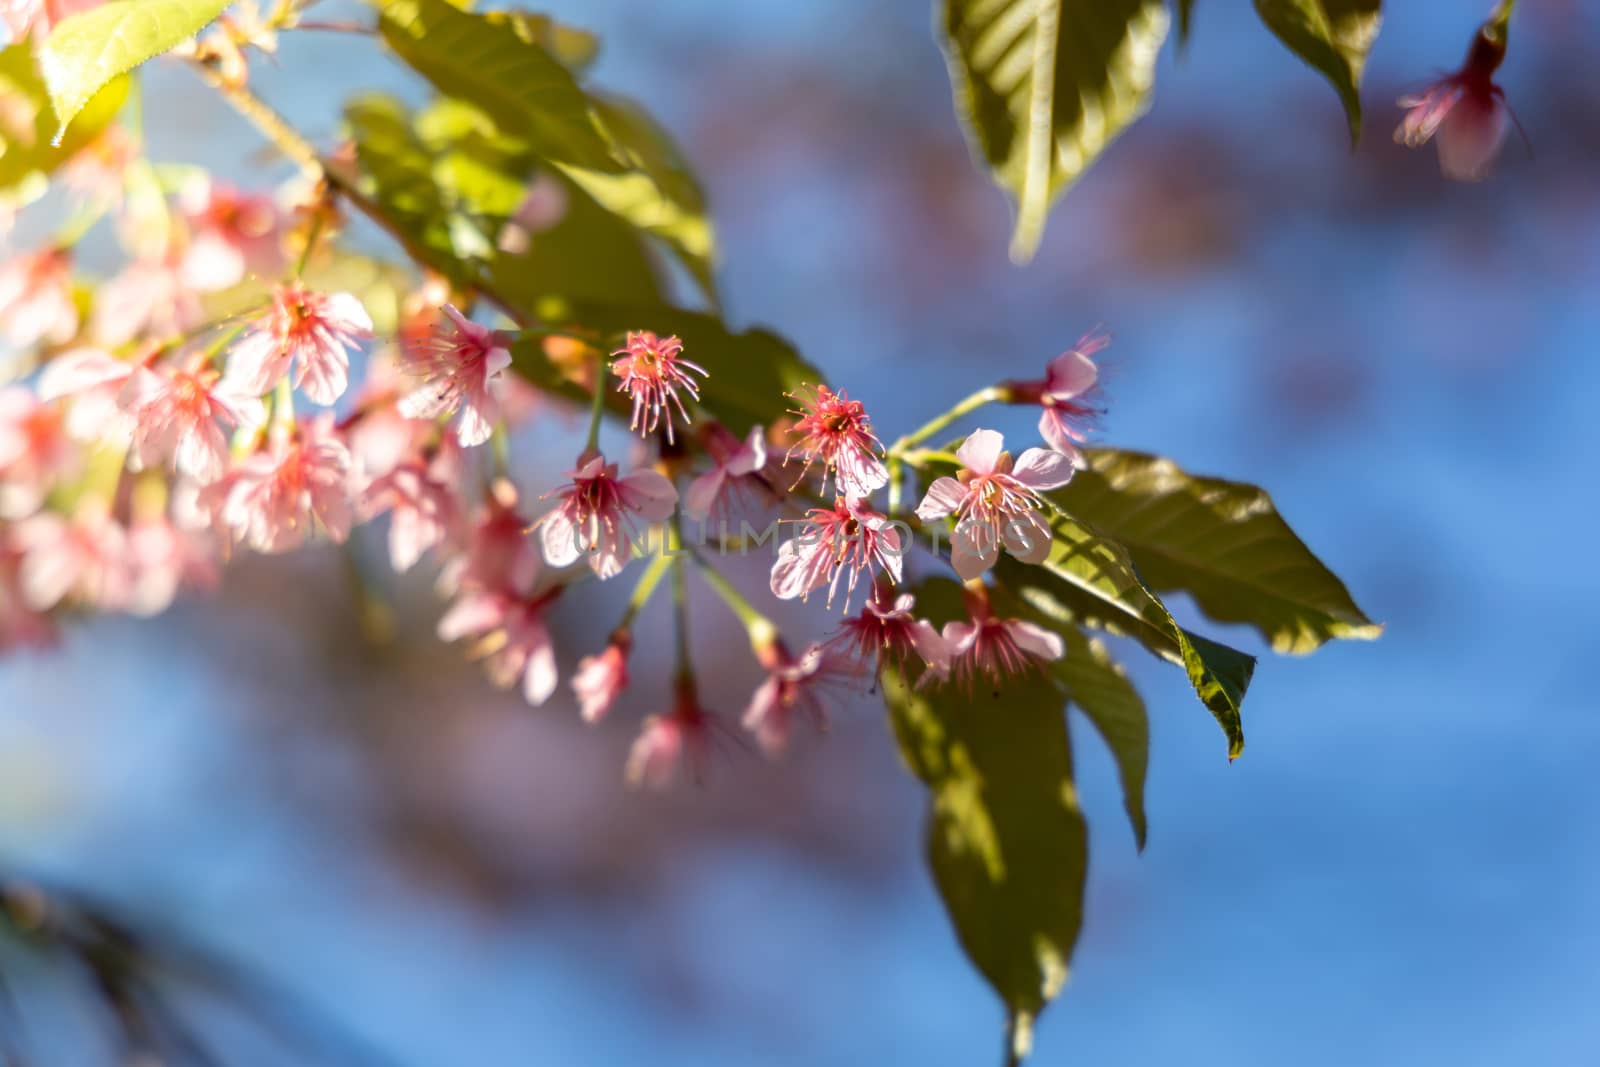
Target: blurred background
{"points": [[1402, 868]]}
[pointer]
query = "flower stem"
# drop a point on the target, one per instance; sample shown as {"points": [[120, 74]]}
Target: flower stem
{"points": [[645, 589], [760, 629], [599, 409], [680, 612], [311, 243], [1499, 21], [994, 394]]}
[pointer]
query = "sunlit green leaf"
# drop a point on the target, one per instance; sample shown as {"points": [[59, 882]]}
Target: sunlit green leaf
{"points": [[28, 123], [1099, 687], [1224, 543], [1332, 36], [658, 193], [1090, 580], [487, 63], [1007, 844], [1043, 86], [84, 52]]}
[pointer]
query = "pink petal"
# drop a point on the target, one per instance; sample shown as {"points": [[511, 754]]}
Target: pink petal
{"points": [[1040, 468], [944, 496], [1027, 537], [649, 494], [1036, 640], [980, 452], [1071, 374]]}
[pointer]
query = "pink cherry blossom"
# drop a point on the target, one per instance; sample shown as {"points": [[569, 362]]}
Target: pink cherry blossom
{"points": [[35, 451], [995, 501], [734, 466], [667, 742], [795, 687], [22, 17], [602, 678], [274, 494], [456, 364], [993, 649], [84, 557], [1466, 111], [845, 542], [423, 511], [514, 641], [886, 633], [231, 235], [163, 558], [312, 331], [36, 298], [21, 625], [184, 417], [599, 515], [836, 432], [652, 370], [1067, 396], [497, 554], [149, 299], [91, 380]]}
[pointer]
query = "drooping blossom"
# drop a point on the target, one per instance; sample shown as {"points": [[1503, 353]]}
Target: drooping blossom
{"points": [[1067, 397], [162, 559], [496, 555], [36, 298], [231, 235], [734, 466], [148, 298], [420, 498], [886, 633], [667, 742], [184, 417], [312, 331], [83, 557], [600, 514], [652, 370], [23, 17], [990, 649], [91, 380], [995, 501], [456, 364], [513, 640], [1465, 111], [273, 495], [35, 451], [601, 678], [836, 432], [841, 543], [796, 687]]}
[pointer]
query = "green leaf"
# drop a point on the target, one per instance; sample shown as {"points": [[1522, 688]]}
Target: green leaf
{"points": [[1044, 86], [1332, 36], [747, 372], [397, 173], [84, 52], [1099, 687], [659, 193], [485, 61], [1185, 19], [1006, 841], [1224, 543], [575, 49], [1089, 579], [27, 155]]}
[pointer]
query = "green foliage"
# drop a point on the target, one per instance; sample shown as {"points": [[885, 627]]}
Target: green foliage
{"points": [[1043, 86], [1185, 19], [1007, 844], [1333, 36], [27, 155], [608, 147], [1222, 542], [1099, 687], [1090, 580], [86, 51]]}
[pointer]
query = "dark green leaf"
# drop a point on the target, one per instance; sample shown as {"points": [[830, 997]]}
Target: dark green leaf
{"points": [[1222, 542], [1090, 580], [1098, 687], [26, 153], [659, 193], [484, 61], [1007, 844], [1043, 86], [1333, 36], [86, 51]]}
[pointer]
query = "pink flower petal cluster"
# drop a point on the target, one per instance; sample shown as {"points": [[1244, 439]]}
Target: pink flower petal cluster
{"points": [[455, 365], [599, 515], [312, 332]]}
